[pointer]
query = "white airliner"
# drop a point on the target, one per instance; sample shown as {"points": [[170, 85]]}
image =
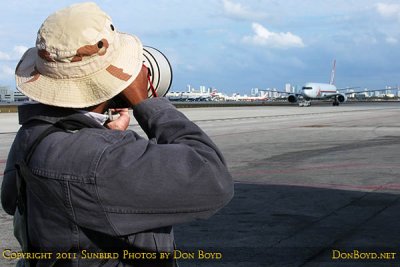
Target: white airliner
{"points": [[320, 91]]}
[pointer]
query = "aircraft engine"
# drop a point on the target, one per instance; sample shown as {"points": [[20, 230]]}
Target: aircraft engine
{"points": [[342, 98], [292, 98]]}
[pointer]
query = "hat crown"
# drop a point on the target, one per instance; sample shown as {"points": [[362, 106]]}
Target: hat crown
{"points": [[75, 33], [79, 59]]}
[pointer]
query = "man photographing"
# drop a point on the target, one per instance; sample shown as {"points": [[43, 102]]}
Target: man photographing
{"points": [[76, 182]]}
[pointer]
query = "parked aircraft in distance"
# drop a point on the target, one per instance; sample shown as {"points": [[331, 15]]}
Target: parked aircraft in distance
{"points": [[236, 97]]}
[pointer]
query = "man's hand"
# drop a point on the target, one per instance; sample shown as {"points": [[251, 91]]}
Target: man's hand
{"points": [[122, 122], [136, 92]]}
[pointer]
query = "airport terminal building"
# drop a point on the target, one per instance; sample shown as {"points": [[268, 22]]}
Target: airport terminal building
{"points": [[8, 96]]}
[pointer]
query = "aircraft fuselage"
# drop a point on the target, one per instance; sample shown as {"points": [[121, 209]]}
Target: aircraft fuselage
{"points": [[318, 90]]}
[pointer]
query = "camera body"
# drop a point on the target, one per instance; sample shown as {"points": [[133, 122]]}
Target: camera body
{"points": [[160, 78]]}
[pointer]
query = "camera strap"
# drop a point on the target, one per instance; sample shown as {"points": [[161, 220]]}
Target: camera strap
{"points": [[153, 91]]}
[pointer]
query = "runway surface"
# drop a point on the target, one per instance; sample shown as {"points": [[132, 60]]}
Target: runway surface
{"points": [[310, 182]]}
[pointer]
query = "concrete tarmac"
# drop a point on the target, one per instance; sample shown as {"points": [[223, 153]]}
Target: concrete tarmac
{"points": [[315, 186]]}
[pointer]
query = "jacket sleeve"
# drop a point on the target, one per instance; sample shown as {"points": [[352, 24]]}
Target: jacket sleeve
{"points": [[144, 185], [9, 192]]}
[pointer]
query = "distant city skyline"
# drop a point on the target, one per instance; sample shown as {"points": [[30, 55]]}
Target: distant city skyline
{"points": [[211, 94], [237, 45]]}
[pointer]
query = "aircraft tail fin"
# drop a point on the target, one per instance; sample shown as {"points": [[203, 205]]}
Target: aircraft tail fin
{"points": [[332, 81]]}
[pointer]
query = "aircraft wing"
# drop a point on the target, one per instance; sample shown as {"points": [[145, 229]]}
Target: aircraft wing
{"points": [[347, 88], [364, 91], [284, 92]]}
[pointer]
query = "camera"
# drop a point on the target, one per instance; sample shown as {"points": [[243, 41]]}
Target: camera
{"points": [[160, 76]]}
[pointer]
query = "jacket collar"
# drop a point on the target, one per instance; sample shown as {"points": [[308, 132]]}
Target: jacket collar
{"points": [[50, 114]]}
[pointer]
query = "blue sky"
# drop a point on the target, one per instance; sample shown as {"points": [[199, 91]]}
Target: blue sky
{"points": [[236, 45]]}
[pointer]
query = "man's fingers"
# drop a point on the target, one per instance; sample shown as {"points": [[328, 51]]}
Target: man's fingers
{"points": [[122, 121], [119, 110]]}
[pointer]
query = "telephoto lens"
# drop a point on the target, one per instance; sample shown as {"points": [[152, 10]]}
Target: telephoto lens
{"points": [[160, 78], [160, 71]]}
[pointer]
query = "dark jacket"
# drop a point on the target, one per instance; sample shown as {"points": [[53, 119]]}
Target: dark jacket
{"points": [[105, 190]]}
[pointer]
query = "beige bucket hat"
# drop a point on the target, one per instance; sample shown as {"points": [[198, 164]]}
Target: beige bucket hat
{"points": [[80, 59]]}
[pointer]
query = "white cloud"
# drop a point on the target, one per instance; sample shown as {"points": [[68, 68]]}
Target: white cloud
{"points": [[190, 67], [6, 75], [238, 11], [6, 71], [388, 10], [363, 39], [9, 60], [19, 50], [391, 12], [391, 40], [263, 37], [4, 56], [15, 54]]}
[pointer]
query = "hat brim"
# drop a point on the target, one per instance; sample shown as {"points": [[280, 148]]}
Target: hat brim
{"points": [[85, 91]]}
